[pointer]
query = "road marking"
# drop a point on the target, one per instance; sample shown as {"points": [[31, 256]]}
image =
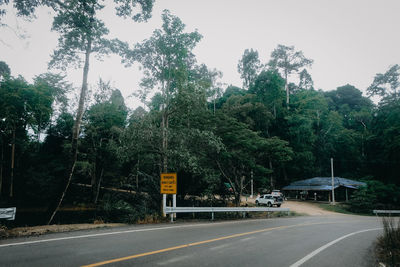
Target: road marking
{"points": [[220, 246], [198, 243], [315, 252], [111, 233], [173, 260], [247, 239]]}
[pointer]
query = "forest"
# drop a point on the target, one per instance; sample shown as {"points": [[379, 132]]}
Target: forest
{"points": [[93, 153]]}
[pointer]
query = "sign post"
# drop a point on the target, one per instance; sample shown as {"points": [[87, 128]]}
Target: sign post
{"points": [[168, 185]]}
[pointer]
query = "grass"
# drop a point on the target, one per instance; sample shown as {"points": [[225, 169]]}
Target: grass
{"points": [[388, 245], [258, 215], [339, 208]]}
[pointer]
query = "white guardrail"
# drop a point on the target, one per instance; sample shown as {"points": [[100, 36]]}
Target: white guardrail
{"points": [[386, 212], [172, 210]]}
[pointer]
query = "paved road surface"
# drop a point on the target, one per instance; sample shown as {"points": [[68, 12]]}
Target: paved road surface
{"points": [[298, 241]]}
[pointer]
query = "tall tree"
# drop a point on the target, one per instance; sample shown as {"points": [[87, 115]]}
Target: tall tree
{"points": [[105, 122], [50, 90], [268, 89], [305, 80], [387, 83], [287, 60], [82, 33], [166, 58], [385, 143], [21, 104], [14, 118], [4, 70], [249, 67]]}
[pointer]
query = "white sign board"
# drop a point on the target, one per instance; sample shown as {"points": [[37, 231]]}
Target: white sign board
{"points": [[8, 213]]}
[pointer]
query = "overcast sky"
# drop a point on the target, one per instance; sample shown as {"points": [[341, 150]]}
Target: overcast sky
{"points": [[349, 41]]}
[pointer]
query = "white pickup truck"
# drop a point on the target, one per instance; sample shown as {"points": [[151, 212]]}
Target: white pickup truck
{"points": [[269, 200]]}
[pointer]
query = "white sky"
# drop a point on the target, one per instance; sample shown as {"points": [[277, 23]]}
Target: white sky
{"points": [[349, 41]]}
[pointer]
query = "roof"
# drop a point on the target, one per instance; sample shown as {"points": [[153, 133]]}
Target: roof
{"points": [[323, 184]]}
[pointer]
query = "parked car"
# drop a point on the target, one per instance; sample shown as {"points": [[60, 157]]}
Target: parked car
{"points": [[269, 200], [276, 193]]}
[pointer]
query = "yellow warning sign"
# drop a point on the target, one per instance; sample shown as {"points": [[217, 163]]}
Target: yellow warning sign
{"points": [[168, 183]]}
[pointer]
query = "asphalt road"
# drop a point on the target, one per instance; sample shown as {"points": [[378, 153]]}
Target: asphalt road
{"points": [[298, 241]]}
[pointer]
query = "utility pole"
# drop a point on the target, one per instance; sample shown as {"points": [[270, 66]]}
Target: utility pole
{"points": [[251, 195], [333, 184]]}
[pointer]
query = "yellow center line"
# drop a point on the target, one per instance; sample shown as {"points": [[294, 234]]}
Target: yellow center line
{"points": [[197, 243]]}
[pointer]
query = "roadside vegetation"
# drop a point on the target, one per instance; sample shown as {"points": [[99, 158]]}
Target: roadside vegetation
{"points": [[388, 245], [57, 154], [339, 207], [374, 196]]}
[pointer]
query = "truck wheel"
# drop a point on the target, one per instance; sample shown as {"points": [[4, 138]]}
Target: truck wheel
{"points": [[269, 204], [278, 205], [258, 204]]}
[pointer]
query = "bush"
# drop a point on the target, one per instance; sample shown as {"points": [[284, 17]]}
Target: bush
{"points": [[124, 208], [376, 195], [362, 201], [388, 245]]}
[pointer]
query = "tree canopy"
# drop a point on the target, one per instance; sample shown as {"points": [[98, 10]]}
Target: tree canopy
{"points": [[219, 139]]}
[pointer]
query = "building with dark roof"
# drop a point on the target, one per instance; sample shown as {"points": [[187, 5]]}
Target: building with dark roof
{"points": [[320, 188]]}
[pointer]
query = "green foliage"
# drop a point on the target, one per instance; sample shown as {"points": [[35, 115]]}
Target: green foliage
{"points": [[190, 125], [166, 57], [4, 69], [249, 66], [124, 208], [269, 89], [127, 8], [80, 32], [288, 60], [248, 110], [305, 80], [387, 83], [384, 141], [376, 195], [362, 201]]}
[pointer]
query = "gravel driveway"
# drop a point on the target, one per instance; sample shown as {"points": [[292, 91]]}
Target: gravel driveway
{"points": [[302, 207]]}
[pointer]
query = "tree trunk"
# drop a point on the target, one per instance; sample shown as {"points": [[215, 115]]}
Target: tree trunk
{"points": [[214, 107], [137, 174], [75, 132], [287, 90], [12, 163], [93, 181], [165, 140], [272, 175], [285, 176], [98, 186]]}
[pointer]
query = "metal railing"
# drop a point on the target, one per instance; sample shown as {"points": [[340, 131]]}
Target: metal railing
{"points": [[386, 212], [212, 210]]}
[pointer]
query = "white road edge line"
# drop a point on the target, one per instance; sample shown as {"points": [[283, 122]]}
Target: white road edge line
{"points": [[315, 252], [109, 233]]}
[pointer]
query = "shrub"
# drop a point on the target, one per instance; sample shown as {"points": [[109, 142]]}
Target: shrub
{"points": [[388, 245], [376, 195], [123, 208]]}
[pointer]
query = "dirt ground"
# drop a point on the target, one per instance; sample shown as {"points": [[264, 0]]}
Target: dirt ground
{"points": [[301, 207], [306, 208], [43, 229]]}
